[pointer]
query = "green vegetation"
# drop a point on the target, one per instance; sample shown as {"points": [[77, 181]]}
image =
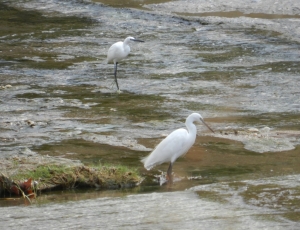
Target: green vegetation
{"points": [[26, 177], [62, 176]]}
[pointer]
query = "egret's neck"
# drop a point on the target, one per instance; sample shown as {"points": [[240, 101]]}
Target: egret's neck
{"points": [[191, 127], [126, 48], [126, 42]]}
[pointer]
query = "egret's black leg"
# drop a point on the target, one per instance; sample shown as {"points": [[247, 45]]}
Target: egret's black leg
{"points": [[116, 80], [169, 174]]}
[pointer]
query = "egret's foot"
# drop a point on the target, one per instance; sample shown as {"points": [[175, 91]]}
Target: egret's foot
{"points": [[169, 179]]}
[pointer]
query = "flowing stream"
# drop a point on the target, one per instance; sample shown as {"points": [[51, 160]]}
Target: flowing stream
{"points": [[238, 68]]}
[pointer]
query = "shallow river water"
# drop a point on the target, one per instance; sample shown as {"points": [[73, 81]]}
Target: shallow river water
{"points": [[238, 68]]}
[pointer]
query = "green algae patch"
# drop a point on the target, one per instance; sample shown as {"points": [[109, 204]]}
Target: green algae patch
{"points": [[28, 38], [65, 177]]}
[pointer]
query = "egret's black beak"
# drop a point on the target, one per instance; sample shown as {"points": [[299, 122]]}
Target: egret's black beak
{"points": [[136, 40], [207, 125]]}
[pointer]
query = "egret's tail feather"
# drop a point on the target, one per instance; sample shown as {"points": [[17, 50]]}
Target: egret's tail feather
{"points": [[150, 163], [105, 61], [145, 161]]}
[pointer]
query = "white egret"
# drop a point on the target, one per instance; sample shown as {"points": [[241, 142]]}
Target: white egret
{"points": [[174, 145], [119, 51]]}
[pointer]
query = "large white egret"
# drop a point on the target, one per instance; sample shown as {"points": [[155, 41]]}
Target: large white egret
{"points": [[174, 145], [119, 51]]}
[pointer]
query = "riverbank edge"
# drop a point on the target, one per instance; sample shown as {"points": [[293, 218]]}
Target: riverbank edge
{"points": [[30, 175]]}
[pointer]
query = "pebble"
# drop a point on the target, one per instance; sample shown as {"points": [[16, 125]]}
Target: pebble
{"points": [[253, 130], [30, 123], [26, 151], [5, 87]]}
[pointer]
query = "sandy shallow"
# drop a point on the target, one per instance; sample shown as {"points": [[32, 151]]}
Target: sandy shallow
{"points": [[280, 12], [291, 7]]}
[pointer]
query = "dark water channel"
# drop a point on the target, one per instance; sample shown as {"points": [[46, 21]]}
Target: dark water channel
{"points": [[244, 81]]}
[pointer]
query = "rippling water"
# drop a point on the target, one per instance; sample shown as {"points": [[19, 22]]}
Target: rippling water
{"points": [[241, 75], [232, 205]]}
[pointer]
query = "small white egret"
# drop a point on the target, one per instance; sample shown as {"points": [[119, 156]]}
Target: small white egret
{"points": [[119, 51], [174, 145]]}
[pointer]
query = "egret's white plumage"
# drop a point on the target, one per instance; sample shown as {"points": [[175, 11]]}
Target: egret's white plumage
{"points": [[175, 144], [119, 51]]}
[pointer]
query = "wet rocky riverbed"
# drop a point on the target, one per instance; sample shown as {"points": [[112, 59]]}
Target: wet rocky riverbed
{"points": [[236, 64]]}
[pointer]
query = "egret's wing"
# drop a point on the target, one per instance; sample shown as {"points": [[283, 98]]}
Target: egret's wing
{"points": [[117, 52], [112, 52], [173, 146]]}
